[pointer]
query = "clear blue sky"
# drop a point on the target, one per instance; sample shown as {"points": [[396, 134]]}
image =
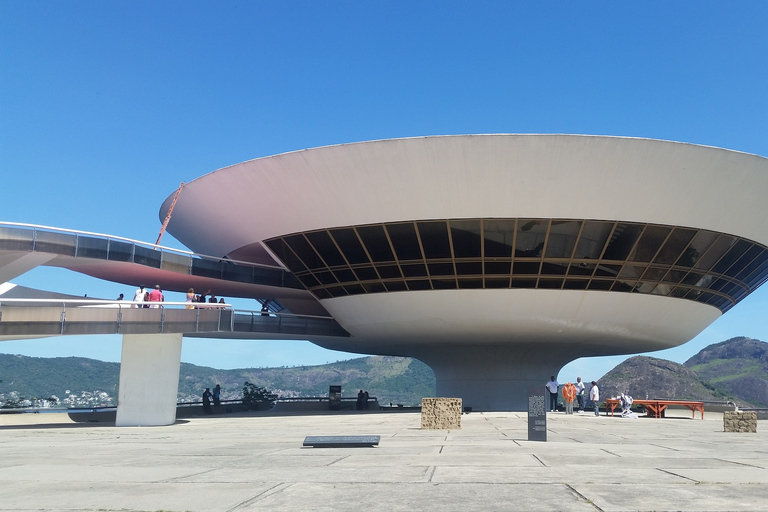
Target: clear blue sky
{"points": [[106, 107]]}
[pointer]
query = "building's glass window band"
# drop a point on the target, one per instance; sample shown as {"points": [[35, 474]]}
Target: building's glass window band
{"points": [[568, 254]]}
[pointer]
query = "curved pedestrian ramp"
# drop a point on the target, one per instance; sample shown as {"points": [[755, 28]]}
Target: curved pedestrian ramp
{"points": [[42, 317]]}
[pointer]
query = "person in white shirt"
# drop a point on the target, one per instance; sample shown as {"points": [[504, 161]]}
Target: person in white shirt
{"points": [[594, 397], [552, 386], [580, 393], [138, 297]]}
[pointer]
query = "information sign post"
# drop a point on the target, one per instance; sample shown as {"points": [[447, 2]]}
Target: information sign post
{"points": [[537, 414]]}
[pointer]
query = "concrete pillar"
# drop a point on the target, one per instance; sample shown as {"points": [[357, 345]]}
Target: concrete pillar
{"points": [[149, 380], [494, 377]]}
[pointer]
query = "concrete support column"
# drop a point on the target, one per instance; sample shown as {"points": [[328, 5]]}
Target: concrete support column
{"points": [[494, 377], [149, 380]]}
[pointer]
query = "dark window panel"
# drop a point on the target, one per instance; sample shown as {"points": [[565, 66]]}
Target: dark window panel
{"points": [[622, 286], [597, 284], [322, 293], [498, 237], [323, 245], [662, 289], [304, 251], [206, 268], [389, 271], [325, 277], [405, 241], [308, 280], [608, 270], [672, 250], [692, 278], [575, 284], [698, 247], [679, 292], [414, 270], [562, 238], [395, 286], [492, 282], [531, 234], [550, 283], [354, 289], [467, 268], [470, 283], [550, 268], [675, 276], [498, 267], [525, 268], [632, 271], [757, 277], [434, 239], [466, 238], [350, 245], [715, 251], [622, 241], [375, 240], [374, 287], [760, 262], [746, 259], [419, 284], [441, 269], [732, 256], [593, 238], [444, 284], [336, 291], [285, 254], [581, 269], [518, 282], [344, 275], [654, 274], [729, 288], [649, 243], [367, 273]]}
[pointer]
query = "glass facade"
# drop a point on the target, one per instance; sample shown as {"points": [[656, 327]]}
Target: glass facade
{"points": [[693, 264]]}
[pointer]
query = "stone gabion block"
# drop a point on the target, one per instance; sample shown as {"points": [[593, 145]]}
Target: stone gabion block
{"points": [[440, 413], [739, 421]]}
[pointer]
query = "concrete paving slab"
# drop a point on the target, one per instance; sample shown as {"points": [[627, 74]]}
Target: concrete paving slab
{"points": [[257, 462]]}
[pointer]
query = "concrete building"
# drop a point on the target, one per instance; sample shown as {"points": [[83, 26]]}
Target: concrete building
{"points": [[495, 259]]}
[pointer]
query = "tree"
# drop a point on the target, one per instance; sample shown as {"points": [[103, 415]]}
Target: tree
{"points": [[254, 395]]}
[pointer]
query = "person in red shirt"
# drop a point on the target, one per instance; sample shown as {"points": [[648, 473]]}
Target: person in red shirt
{"points": [[156, 296]]}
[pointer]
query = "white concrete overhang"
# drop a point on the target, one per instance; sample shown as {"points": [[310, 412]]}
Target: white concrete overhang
{"points": [[473, 176]]}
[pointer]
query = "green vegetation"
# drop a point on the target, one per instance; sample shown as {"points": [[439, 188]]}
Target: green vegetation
{"points": [[256, 397]]}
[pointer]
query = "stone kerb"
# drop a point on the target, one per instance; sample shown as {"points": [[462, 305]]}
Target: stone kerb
{"points": [[440, 413], [739, 421]]}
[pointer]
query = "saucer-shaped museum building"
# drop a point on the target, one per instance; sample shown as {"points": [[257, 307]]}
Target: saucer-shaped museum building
{"points": [[495, 259]]}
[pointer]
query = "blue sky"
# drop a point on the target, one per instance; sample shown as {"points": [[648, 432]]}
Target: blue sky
{"points": [[106, 107]]}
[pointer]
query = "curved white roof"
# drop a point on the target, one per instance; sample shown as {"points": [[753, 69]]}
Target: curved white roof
{"points": [[555, 176]]}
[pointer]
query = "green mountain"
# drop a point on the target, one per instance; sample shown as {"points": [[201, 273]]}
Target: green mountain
{"points": [[390, 379], [738, 366]]}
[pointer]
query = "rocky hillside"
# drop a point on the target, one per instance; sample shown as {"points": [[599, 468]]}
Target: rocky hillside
{"points": [[738, 366], [649, 377]]}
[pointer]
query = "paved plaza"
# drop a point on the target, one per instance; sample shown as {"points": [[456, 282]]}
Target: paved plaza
{"points": [[257, 462]]}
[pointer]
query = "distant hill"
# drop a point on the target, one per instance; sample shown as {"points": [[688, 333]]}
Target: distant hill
{"points": [[391, 379], [738, 366], [650, 377]]}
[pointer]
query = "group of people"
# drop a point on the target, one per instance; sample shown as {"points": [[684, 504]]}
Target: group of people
{"points": [[362, 400], [209, 396], [152, 298], [573, 392], [192, 298], [148, 297]]}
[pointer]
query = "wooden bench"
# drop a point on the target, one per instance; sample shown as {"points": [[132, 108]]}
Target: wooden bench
{"points": [[656, 407]]}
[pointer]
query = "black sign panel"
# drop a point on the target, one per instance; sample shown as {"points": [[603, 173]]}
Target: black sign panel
{"points": [[341, 441], [537, 414]]}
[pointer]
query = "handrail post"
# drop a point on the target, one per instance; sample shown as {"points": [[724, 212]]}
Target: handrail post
{"points": [[162, 319], [62, 317]]}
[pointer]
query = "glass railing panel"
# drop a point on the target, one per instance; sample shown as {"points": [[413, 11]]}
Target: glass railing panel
{"points": [[89, 247], [13, 239], [120, 251], [206, 268], [233, 272], [180, 263], [145, 256], [59, 243]]}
